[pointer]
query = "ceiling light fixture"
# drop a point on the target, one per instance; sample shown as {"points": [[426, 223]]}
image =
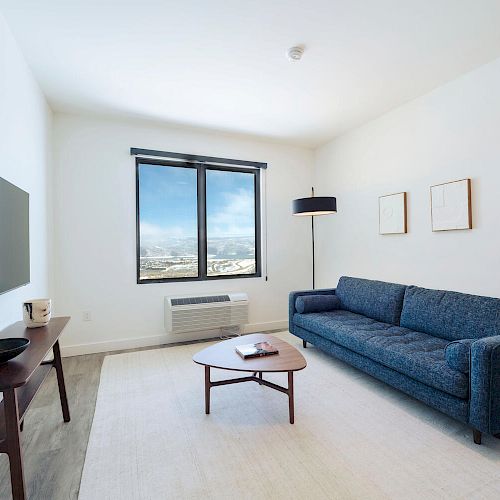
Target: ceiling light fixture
{"points": [[294, 54]]}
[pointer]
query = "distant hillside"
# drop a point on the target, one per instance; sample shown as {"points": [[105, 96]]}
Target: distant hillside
{"points": [[242, 247]]}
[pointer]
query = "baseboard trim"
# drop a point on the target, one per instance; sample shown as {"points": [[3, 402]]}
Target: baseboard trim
{"points": [[265, 327], [134, 343], [111, 345]]}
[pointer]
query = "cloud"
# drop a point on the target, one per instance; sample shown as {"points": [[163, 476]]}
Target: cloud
{"points": [[153, 232], [235, 217]]}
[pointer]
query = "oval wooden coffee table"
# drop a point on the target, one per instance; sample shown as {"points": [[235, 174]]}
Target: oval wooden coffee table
{"points": [[224, 356]]}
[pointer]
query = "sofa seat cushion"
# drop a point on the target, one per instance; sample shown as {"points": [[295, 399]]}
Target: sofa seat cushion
{"points": [[415, 354]]}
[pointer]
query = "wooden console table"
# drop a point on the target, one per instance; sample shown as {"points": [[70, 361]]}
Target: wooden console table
{"points": [[20, 379]]}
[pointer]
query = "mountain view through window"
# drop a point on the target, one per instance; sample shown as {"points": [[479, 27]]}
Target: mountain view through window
{"points": [[174, 212], [230, 223]]}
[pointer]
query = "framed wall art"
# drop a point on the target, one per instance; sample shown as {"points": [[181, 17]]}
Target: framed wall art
{"points": [[451, 207], [392, 214]]}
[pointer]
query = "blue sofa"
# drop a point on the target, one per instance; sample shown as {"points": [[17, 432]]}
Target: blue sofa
{"points": [[440, 347]]}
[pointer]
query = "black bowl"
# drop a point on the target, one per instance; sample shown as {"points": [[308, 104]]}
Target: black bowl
{"points": [[10, 348]]}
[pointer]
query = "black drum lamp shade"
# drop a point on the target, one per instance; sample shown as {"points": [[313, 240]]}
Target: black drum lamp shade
{"points": [[315, 205]]}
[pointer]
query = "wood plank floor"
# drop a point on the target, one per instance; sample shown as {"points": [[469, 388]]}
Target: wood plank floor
{"points": [[54, 452]]}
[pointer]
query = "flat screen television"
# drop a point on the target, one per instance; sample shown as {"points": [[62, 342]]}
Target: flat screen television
{"points": [[14, 237]]}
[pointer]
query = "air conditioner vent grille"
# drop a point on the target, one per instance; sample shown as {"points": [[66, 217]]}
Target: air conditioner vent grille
{"points": [[185, 314], [200, 300]]}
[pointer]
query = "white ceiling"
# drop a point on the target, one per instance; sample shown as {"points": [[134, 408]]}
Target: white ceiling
{"points": [[221, 63]]}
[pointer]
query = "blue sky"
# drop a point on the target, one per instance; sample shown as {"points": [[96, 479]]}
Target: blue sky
{"points": [[168, 203]]}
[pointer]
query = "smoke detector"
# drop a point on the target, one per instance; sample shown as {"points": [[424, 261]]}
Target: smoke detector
{"points": [[294, 54]]}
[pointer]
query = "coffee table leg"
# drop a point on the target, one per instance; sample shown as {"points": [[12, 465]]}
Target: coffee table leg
{"points": [[207, 389], [290, 397], [260, 376]]}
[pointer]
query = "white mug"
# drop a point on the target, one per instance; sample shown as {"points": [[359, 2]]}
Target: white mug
{"points": [[36, 312]]}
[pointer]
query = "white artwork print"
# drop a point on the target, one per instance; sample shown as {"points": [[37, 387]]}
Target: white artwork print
{"points": [[392, 214], [450, 206]]}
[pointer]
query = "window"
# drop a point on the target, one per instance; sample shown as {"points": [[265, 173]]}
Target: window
{"points": [[196, 221]]}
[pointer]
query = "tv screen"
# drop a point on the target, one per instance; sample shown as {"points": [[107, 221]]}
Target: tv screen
{"points": [[14, 237]]}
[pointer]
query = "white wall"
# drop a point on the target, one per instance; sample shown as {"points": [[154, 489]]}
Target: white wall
{"points": [[25, 148], [449, 134], [95, 230]]}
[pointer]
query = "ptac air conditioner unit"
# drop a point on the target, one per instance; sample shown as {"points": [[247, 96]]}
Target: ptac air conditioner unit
{"points": [[205, 312]]}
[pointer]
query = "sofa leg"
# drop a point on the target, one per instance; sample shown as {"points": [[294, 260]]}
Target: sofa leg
{"points": [[304, 344], [477, 436]]}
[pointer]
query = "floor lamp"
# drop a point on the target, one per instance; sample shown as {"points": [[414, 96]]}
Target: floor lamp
{"points": [[315, 205]]}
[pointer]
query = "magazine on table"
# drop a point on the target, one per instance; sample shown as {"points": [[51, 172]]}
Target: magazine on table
{"points": [[256, 350]]}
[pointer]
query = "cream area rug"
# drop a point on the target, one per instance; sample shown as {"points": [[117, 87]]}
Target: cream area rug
{"points": [[353, 437]]}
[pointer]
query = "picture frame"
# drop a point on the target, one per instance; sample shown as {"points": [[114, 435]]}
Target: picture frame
{"points": [[392, 212], [451, 207]]}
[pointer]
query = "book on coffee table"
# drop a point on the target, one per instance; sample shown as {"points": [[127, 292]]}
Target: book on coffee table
{"points": [[255, 350]]}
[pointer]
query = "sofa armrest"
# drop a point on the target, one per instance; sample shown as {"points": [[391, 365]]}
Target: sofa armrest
{"points": [[293, 296], [485, 385]]}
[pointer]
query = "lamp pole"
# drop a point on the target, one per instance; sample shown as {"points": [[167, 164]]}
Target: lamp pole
{"points": [[312, 235]]}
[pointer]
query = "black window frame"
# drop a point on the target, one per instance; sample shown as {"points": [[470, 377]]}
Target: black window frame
{"points": [[201, 169]]}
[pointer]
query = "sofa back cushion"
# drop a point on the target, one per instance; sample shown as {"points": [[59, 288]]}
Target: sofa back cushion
{"points": [[376, 299], [450, 315]]}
